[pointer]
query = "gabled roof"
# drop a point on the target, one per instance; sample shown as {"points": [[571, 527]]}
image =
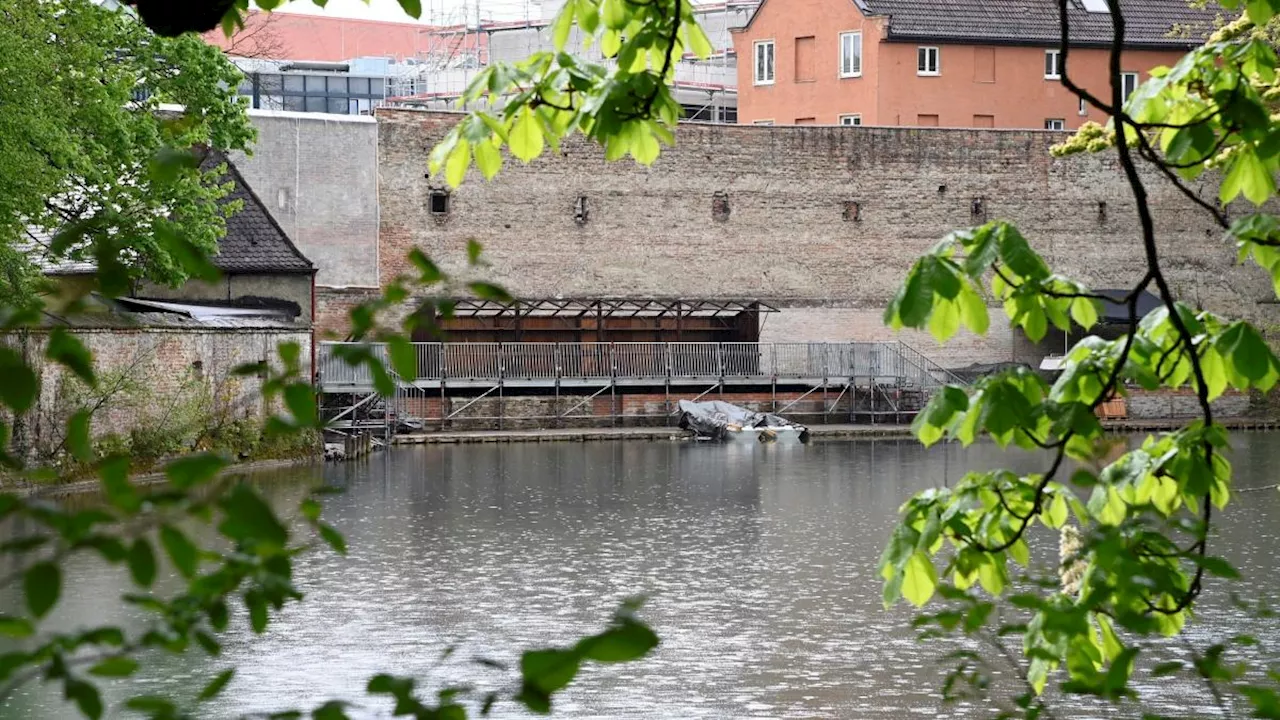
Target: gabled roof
{"points": [[1148, 23], [255, 242]]}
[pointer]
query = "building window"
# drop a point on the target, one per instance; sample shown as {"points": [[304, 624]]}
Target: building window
{"points": [[764, 62], [927, 120], [761, 122], [806, 121], [855, 119], [439, 202], [1084, 107], [1055, 124], [850, 54], [927, 61], [1128, 83], [984, 121], [1052, 64]]}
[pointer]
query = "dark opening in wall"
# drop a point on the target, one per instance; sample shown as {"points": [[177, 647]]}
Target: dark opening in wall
{"points": [[439, 202], [852, 211], [720, 206]]}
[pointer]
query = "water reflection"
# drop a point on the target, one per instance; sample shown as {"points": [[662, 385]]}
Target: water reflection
{"points": [[759, 563]]}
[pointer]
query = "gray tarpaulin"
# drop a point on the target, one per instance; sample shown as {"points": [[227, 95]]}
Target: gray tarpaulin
{"points": [[712, 418]]}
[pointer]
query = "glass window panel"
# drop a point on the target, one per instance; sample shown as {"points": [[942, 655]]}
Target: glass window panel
{"points": [[315, 84], [293, 83], [294, 102], [337, 86], [359, 86], [338, 105]]}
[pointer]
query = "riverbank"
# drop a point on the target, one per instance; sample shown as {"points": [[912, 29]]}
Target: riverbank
{"points": [[840, 431]]}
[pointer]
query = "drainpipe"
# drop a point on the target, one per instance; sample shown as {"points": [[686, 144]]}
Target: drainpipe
{"points": [[315, 371]]}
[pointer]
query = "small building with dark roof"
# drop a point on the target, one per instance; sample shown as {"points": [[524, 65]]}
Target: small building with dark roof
{"points": [[260, 265], [262, 271], [949, 63]]}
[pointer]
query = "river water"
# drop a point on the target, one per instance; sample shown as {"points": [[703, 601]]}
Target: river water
{"points": [[759, 563]]}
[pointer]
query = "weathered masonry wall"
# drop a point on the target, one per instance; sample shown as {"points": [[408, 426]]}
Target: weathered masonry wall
{"points": [[318, 175], [821, 221], [157, 378]]}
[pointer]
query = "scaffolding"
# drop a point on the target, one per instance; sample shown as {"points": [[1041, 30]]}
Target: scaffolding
{"points": [[587, 381], [468, 39]]}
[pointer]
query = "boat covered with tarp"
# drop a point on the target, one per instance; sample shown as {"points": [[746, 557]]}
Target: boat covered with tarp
{"points": [[724, 422]]}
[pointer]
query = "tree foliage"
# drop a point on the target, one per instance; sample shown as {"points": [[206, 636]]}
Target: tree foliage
{"points": [[1135, 531], [84, 94], [115, 176]]}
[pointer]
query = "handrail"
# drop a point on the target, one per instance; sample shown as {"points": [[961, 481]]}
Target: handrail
{"points": [[659, 361]]}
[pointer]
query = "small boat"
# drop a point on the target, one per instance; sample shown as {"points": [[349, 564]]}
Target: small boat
{"points": [[721, 421]]}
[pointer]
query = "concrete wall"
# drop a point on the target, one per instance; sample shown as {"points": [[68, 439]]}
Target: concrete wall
{"points": [[295, 289], [317, 175], [154, 377], [790, 237]]}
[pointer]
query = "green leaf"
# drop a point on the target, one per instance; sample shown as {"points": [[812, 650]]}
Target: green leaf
{"points": [[549, 670], [628, 641], [560, 29], [455, 168], [920, 579], [118, 666], [300, 398], [85, 696], [191, 470], [991, 575], [15, 627], [142, 562], [153, 704], [333, 538], [488, 159], [257, 606], [1084, 311], [525, 139], [1056, 514], [404, 357], [217, 684], [973, 311], [332, 710], [489, 291], [78, 441], [1248, 175], [412, 8], [18, 391], [120, 492], [181, 550], [42, 584], [1020, 553], [248, 518], [474, 250], [67, 350]]}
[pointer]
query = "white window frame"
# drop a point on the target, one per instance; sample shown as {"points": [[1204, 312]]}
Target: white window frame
{"points": [[771, 65], [1055, 124], [1129, 78], [851, 119], [1052, 64], [853, 71], [762, 122], [922, 68], [1084, 107]]}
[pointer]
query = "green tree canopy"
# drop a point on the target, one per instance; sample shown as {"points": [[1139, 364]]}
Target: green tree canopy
{"points": [[91, 98]]}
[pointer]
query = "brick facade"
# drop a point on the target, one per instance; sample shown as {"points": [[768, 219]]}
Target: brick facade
{"points": [[789, 235]]}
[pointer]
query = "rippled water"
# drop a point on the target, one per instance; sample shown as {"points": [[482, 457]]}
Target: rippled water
{"points": [[759, 563]]}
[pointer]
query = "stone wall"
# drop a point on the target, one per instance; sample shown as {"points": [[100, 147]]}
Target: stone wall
{"points": [[822, 222], [317, 175], [156, 377], [1165, 404]]}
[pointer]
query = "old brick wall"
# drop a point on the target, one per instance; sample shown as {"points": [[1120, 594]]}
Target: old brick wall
{"points": [[150, 376], [317, 175], [823, 222], [1163, 404]]}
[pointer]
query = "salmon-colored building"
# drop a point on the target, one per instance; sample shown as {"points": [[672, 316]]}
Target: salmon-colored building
{"points": [[294, 36], [953, 63]]}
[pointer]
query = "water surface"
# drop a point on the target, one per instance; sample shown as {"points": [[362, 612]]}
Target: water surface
{"points": [[759, 564]]}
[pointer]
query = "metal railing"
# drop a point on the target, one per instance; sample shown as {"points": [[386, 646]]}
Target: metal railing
{"points": [[875, 362]]}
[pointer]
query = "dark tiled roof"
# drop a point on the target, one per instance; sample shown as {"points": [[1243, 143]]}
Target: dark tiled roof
{"points": [[255, 242], [1148, 23]]}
